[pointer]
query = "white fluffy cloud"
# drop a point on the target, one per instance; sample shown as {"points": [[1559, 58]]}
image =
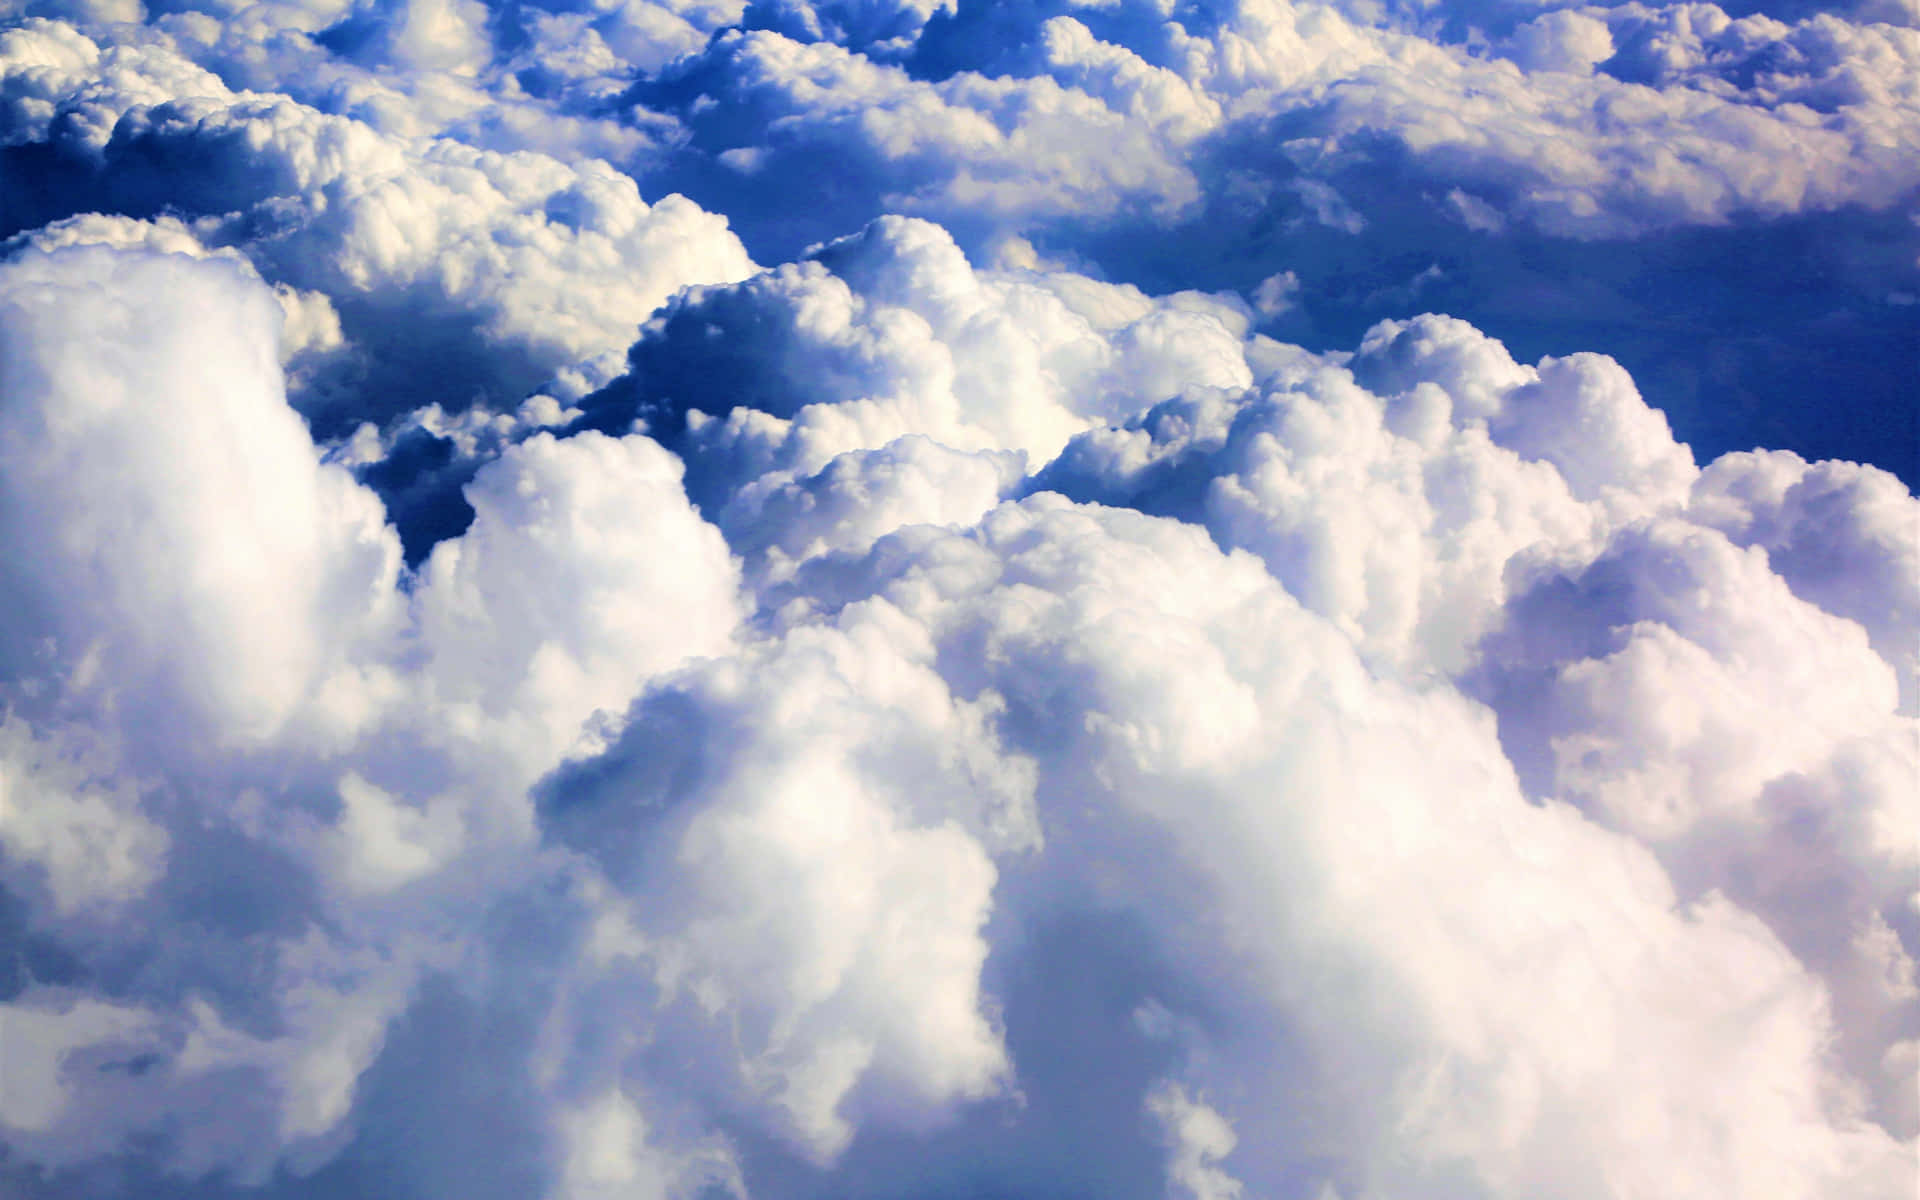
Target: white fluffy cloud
{"points": [[919, 724], [802, 838], [129, 434], [552, 605], [507, 267], [1422, 671], [1699, 117], [233, 729], [1594, 122]]}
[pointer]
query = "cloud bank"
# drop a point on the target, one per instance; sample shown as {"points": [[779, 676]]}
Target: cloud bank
{"points": [[663, 600]]}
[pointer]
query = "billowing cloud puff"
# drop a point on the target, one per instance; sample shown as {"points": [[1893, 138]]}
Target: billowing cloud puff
{"points": [[228, 715], [1592, 123], [1388, 157], [803, 834], [1692, 120], [1355, 686], [501, 696], [1822, 524], [890, 334], [532, 614], [128, 433], [510, 267]]}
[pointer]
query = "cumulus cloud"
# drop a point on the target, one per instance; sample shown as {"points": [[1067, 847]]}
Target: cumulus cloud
{"points": [[509, 267], [1175, 145], [229, 715], [128, 433], [1069, 681]]}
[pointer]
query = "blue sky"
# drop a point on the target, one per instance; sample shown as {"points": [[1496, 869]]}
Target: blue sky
{"points": [[664, 599]]}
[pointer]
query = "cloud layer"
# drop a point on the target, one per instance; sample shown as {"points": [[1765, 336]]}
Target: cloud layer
{"points": [[1072, 681]]}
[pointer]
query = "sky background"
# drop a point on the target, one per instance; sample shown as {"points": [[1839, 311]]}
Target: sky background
{"points": [[668, 599]]}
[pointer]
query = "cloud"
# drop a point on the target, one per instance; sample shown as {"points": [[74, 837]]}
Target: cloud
{"points": [[128, 432], [1090, 627], [1172, 693], [557, 602], [509, 268], [230, 723], [1687, 123], [1200, 1136], [1414, 670], [1827, 528], [1173, 146], [822, 923], [1068, 682], [890, 334]]}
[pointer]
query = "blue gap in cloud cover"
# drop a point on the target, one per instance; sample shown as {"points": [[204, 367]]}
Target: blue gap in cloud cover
{"points": [[420, 481]]}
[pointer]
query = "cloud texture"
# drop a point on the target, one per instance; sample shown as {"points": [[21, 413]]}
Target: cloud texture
{"points": [[1071, 682]]}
